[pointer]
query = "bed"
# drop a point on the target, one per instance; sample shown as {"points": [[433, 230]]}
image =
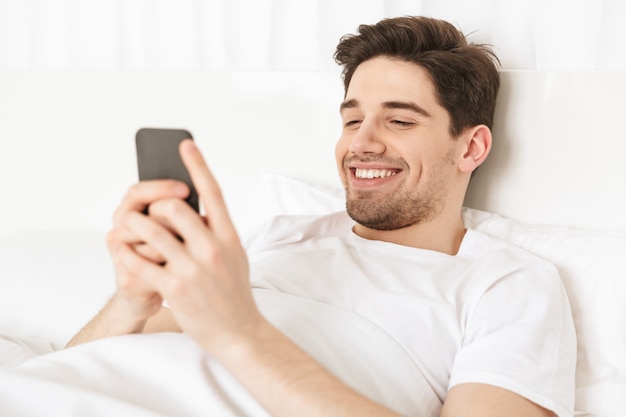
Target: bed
{"points": [[554, 185]]}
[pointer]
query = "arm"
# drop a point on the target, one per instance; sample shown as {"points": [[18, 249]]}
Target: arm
{"points": [[287, 381], [481, 400], [112, 321]]}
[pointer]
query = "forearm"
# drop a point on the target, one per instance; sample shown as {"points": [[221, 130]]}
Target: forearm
{"points": [[288, 382], [112, 320]]}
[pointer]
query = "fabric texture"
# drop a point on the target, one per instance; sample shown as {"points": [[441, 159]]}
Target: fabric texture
{"points": [[148, 375]]}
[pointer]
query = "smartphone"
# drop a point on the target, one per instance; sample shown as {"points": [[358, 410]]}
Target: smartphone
{"points": [[158, 158]]}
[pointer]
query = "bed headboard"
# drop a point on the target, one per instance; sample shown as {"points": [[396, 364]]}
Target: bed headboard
{"points": [[67, 139]]}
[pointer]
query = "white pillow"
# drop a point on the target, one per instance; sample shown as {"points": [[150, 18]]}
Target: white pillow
{"points": [[592, 264], [254, 202]]}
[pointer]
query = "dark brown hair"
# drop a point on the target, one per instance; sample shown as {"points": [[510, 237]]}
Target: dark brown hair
{"points": [[465, 75]]}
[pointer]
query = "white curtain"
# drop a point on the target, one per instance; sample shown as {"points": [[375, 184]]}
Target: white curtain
{"points": [[294, 34]]}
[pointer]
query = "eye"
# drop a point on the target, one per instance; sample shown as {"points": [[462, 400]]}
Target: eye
{"points": [[351, 123], [403, 123]]}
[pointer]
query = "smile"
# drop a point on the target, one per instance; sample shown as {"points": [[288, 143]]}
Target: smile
{"points": [[373, 173]]}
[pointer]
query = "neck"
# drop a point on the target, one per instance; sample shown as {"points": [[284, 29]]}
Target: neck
{"points": [[443, 234]]}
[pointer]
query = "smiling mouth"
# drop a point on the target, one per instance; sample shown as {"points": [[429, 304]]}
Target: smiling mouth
{"points": [[373, 173]]}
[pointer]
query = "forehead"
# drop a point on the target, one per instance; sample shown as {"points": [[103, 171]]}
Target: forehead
{"points": [[382, 79]]}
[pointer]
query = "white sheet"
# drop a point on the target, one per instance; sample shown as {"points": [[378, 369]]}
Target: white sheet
{"points": [[14, 351], [139, 375], [169, 375]]}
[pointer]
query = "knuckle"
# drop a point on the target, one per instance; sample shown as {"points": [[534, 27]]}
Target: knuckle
{"points": [[185, 271], [133, 191], [165, 207], [174, 206], [130, 199], [111, 239], [212, 255], [117, 216]]}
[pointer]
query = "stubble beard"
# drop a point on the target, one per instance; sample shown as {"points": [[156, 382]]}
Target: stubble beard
{"points": [[398, 209]]}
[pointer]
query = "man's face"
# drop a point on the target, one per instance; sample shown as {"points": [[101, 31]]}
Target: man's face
{"points": [[395, 156]]}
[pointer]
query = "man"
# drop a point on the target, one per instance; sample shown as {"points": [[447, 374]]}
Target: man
{"points": [[487, 327]]}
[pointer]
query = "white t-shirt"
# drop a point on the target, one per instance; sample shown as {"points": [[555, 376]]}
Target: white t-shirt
{"points": [[403, 325]]}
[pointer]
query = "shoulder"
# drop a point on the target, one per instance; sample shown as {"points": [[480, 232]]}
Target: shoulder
{"points": [[517, 327], [499, 271], [487, 250]]}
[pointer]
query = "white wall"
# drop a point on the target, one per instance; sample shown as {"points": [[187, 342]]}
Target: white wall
{"points": [[78, 78], [287, 34], [67, 150]]}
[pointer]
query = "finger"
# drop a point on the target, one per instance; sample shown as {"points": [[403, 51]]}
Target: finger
{"points": [[186, 223], [149, 253], [154, 234], [142, 194], [121, 235], [149, 273], [208, 190], [158, 216]]}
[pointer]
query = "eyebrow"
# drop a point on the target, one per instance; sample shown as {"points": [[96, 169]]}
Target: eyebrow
{"points": [[406, 105]]}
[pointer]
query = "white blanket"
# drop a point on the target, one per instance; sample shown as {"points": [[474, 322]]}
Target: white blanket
{"points": [[170, 375], [138, 375]]}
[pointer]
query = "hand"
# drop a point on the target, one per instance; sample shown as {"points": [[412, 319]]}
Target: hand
{"points": [[205, 276], [138, 298], [205, 279]]}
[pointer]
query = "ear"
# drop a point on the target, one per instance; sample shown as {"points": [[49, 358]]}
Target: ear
{"points": [[478, 145]]}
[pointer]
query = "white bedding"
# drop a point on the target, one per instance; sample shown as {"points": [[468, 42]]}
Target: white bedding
{"points": [[168, 374], [139, 375]]}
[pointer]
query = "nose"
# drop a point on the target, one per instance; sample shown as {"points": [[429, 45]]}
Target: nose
{"points": [[366, 140]]}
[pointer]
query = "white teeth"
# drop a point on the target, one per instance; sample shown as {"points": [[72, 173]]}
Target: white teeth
{"points": [[373, 173]]}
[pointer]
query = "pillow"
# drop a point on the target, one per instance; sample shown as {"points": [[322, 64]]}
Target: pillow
{"points": [[253, 203], [592, 264]]}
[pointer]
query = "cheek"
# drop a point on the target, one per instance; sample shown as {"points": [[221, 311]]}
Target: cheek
{"points": [[341, 150], [426, 158]]}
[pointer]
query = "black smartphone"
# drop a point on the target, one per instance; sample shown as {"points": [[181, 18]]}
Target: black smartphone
{"points": [[158, 158]]}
